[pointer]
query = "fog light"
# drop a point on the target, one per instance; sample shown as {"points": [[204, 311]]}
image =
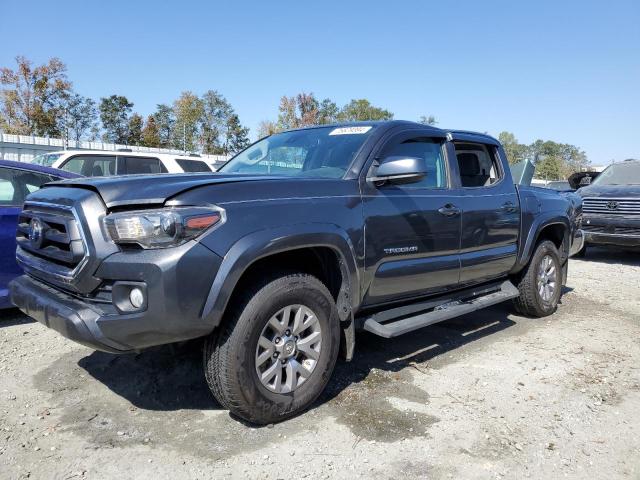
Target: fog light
{"points": [[136, 297]]}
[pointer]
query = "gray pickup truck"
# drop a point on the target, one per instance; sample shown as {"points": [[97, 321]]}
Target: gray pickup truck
{"points": [[295, 245]]}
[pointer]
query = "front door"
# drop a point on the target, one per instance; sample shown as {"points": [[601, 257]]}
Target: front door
{"points": [[412, 231]]}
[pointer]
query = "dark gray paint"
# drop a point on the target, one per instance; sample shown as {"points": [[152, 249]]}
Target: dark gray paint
{"points": [[397, 243]]}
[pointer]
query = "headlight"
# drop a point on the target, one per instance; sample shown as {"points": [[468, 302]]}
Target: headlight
{"points": [[161, 228]]}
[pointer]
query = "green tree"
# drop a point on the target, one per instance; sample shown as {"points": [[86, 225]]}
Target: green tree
{"points": [[327, 112], [114, 115], [188, 110], [165, 121], [150, 133], [136, 122], [216, 112], [556, 160], [80, 116], [359, 110], [428, 120], [31, 103], [550, 168], [237, 136], [516, 152]]}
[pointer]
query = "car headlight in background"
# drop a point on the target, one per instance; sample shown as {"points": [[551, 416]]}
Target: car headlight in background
{"points": [[162, 228]]}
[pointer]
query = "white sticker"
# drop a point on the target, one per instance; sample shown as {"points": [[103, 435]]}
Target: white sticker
{"points": [[350, 130]]}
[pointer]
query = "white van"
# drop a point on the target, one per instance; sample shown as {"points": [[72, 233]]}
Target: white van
{"points": [[99, 163]]}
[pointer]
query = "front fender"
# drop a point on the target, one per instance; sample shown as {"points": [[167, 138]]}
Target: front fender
{"points": [[263, 243]]}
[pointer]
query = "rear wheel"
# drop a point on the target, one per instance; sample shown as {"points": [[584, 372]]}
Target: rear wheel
{"points": [[276, 349], [540, 283]]}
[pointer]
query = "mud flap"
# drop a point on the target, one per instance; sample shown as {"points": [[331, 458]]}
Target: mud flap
{"points": [[347, 339]]}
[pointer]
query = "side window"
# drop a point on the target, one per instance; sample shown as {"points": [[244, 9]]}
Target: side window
{"points": [[142, 165], [9, 194], [16, 184], [478, 164], [91, 165], [428, 148], [193, 165], [33, 181]]}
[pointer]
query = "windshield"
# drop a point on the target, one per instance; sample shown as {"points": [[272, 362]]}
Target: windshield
{"points": [[624, 173], [46, 159], [323, 152]]}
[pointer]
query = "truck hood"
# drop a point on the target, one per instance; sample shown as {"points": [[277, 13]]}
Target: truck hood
{"points": [[610, 191], [153, 189]]}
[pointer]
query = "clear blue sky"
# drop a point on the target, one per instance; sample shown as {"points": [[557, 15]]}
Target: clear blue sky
{"points": [[567, 71]]}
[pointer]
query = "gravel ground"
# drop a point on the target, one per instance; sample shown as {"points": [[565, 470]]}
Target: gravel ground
{"points": [[489, 395]]}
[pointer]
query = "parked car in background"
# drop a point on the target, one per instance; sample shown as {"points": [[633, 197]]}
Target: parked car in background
{"points": [[611, 206], [99, 163], [300, 240], [582, 179], [559, 185], [17, 180]]}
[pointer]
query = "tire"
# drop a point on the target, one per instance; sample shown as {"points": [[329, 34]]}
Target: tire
{"points": [[532, 301], [231, 355]]}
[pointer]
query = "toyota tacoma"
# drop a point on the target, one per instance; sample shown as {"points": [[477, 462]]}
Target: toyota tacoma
{"points": [[296, 244]]}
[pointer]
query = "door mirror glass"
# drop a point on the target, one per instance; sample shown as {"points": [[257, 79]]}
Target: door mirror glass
{"points": [[401, 169]]}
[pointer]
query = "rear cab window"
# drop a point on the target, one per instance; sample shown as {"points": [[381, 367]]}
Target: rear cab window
{"points": [[193, 165]]}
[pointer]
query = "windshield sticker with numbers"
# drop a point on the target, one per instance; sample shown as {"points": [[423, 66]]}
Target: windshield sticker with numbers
{"points": [[349, 130]]}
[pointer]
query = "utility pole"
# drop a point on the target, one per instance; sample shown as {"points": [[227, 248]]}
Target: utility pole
{"points": [[184, 138]]}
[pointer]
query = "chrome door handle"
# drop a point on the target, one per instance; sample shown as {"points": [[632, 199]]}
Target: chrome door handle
{"points": [[449, 210]]}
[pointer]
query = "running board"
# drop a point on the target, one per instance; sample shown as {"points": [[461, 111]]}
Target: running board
{"points": [[445, 311]]}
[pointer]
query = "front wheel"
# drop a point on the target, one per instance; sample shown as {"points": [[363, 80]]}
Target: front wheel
{"points": [[540, 283], [276, 349]]}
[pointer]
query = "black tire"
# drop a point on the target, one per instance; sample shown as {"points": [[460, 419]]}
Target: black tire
{"points": [[230, 353], [530, 302]]}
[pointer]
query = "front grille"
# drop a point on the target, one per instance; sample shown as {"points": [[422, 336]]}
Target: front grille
{"points": [[612, 206], [610, 230], [51, 233]]}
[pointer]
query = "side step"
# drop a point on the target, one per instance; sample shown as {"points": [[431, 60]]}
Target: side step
{"points": [[445, 311]]}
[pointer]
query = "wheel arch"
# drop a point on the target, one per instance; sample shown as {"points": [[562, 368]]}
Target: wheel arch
{"points": [[312, 248], [554, 228]]}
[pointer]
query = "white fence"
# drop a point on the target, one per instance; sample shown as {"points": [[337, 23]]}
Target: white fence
{"points": [[23, 148]]}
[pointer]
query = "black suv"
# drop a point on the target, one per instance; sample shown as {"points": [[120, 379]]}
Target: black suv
{"points": [[299, 241], [612, 206]]}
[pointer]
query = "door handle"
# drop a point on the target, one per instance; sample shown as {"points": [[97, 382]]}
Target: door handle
{"points": [[509, 207], [449, 210]]}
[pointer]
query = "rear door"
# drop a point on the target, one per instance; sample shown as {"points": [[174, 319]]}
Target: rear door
{"points": [[490, 211], [412, 231]]}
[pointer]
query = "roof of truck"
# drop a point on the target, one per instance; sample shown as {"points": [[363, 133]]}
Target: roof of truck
{"points": [[394, 123]]}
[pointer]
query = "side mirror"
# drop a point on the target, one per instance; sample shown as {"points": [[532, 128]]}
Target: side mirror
{"points": [[400, 169]]}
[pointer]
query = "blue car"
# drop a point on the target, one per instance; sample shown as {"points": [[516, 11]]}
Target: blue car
{"points": [[17, 180]]}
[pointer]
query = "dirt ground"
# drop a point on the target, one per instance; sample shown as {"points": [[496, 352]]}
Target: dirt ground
{"points": [[489, 395]]}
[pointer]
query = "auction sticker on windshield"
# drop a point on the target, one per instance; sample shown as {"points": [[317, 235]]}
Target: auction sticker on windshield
{"points": [[349, 130]]}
